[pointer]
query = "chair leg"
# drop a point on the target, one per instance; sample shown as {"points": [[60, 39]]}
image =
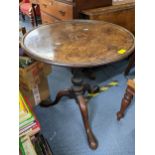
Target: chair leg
{"points": [[125, 102], [130, 65], [31, 17], [34, 7]]}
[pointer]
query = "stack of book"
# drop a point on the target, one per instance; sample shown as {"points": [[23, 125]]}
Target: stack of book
{"points": [[28, 124], [31, 142]]}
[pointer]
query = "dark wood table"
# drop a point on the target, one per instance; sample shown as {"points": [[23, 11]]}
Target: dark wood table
{"points": [[79, 44]]}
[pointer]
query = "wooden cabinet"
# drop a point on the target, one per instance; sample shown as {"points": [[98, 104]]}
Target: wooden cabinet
{"points": [[55, 10], [59, 10], [120, 13], [48, 19]]}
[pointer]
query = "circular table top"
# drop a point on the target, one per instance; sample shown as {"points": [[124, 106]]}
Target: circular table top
{"points": [[79, 43]]}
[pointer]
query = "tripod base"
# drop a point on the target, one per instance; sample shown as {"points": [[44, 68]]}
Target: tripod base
{"points": [[77, 92]]}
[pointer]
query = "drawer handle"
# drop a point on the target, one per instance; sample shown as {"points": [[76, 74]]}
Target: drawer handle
{"points": [[62, 12]]}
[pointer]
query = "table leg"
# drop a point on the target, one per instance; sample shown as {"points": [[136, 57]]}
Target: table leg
{"points": [[84, 112], [48, 102], [60, 94]]}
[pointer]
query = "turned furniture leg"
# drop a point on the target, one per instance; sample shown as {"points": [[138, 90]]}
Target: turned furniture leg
{"points": [[130, 65], [34, 7], [31, 17], [84, 111], [125, 102]]}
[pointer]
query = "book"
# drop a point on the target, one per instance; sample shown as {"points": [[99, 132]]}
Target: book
{"points": [[27, 146], [25, 115], [30, 132], [35, 126], [21, 147]]}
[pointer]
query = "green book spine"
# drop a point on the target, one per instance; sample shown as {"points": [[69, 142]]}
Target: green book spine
{"points": [[21, 147], [26, 123]]}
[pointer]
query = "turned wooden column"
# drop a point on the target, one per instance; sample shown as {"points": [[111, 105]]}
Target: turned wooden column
{"points": [[31, 15], [130, 91]]}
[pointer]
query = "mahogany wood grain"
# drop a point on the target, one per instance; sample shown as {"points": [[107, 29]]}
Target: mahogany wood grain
{"points": [[79, 43]]}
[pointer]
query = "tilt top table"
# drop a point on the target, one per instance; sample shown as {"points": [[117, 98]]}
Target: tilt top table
{"points": [[79, 44]]}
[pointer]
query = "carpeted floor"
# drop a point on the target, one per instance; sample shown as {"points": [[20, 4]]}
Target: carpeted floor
{"points": [[62, 124]]}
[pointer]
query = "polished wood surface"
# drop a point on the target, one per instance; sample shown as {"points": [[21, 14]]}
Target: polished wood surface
{"points": [[78, 43], [48, 19]]}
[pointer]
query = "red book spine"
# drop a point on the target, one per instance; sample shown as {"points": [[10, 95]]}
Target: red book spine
{"points": [[29, 104]]}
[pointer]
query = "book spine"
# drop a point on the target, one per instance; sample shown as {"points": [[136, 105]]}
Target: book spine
{"points": [[27, 128], [30, 132], [26, 122], [21, 147], [28, 146]]}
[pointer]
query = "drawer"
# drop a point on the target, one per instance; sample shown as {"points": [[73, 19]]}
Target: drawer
{"points": [[47, 19], [58, 9]]}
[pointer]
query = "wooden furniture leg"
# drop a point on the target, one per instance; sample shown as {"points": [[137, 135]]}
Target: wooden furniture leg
{"points": [[34, 6], [31, 15], [84, 112], [48, 102], [130, 65], [125, 102], [61, 94]]}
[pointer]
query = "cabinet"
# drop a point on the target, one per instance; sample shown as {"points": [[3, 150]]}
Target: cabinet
{"points": [[56, 10], [120, 13]]}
